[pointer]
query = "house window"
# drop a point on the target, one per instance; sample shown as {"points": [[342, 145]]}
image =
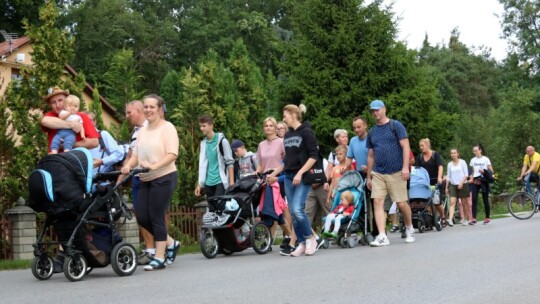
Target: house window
{"points": [[16, 74]]}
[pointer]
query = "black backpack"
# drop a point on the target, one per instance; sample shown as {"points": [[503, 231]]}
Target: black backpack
{"points": [[61, 181]]}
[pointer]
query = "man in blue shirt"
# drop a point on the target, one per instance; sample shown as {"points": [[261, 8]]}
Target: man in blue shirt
{"points": [[358, 150], [388, 170], [105, 157]]}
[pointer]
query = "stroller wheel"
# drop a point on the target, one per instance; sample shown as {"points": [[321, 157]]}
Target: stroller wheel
{"points": [[367, 239], [326, 243], [342, 241], [124, 259], [42, 267], [75, 267], [352, 241], [261, 238], [209, 245]]}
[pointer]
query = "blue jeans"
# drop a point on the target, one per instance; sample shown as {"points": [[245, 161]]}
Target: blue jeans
{"points": [[67, 136], [527, 180], [296, 198]]}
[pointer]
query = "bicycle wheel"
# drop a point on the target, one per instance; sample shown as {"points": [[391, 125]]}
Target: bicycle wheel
{"points": [[521, 205]]}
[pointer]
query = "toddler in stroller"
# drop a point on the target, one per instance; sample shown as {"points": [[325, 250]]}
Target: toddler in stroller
{"points": [[82, 215], [421, 202], [341, 214], [346, 235], [229, 222]]}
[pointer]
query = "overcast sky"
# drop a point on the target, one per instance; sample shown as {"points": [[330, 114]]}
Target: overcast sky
{"points": [[475, 20]]}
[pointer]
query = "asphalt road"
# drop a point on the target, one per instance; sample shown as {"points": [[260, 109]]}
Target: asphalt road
{"points": [[495, 263]]}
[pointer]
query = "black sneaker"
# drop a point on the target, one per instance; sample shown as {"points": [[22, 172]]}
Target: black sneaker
{"points": [[286, 242], [145, 258], [395, 228], [287, 250], [320, 243]]}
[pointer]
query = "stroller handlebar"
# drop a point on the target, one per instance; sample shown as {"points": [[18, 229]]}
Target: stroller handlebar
{"points": [[113, 175]]}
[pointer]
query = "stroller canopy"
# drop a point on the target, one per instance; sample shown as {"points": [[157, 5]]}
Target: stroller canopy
{"points": [[350, 179], [420, 187]]}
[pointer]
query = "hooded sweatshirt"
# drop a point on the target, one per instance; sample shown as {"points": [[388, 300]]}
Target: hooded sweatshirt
{"points": [[300, 144]]}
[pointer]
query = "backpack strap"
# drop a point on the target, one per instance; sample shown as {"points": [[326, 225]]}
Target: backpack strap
{"points": [[392, 127]]}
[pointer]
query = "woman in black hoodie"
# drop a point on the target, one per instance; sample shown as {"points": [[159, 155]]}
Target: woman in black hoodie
{"points": [[301, 152]]}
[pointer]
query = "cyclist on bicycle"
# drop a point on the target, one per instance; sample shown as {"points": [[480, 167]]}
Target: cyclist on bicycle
{"points": [[529, 171]]}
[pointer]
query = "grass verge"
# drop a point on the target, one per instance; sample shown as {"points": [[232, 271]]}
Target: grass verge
{"points": [[25, 264]]}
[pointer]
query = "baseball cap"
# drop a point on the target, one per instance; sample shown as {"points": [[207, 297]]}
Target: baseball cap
{"points": [[376, 105], [237, 143]]}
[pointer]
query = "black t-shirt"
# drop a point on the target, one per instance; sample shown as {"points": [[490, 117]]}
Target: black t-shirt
{"points": [[431, 166]]}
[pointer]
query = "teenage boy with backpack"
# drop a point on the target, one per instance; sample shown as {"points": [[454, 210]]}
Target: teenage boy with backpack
{"points": [[216, 163]]}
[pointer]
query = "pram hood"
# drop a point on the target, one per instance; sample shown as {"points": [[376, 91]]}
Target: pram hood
{"points": [[61, 181], [419, 186], [350, 179]]}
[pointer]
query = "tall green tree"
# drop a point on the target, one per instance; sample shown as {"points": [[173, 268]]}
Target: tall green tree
{"points": [[509, 128], [342, 56], [21, 107], [122, 79], [521, 22], [13, 12]]}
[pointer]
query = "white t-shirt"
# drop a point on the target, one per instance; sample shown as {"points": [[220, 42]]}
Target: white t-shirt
{"points": [[456, 173], [478, 163]]}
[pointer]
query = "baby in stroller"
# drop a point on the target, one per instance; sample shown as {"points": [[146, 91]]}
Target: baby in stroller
{"points": [[341, 214]]}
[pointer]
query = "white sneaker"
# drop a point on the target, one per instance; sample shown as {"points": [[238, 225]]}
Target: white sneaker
{"points": [[381, 240], [450, 223], [465, 223], [409, 232]]}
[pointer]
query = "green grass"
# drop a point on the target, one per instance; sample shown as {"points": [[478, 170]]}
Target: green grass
{"points": [[19, 264], [25, 264]]}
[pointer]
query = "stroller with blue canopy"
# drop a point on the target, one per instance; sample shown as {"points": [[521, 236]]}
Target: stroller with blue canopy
{"points": [[348, 231], [82, 211], [424, 216]]}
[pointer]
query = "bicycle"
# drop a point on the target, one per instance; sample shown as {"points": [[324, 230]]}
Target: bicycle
{"points": [[522, 204]]}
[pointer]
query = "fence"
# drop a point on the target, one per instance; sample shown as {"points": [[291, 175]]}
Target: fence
{"points": [[183, 224], [23, 220]]}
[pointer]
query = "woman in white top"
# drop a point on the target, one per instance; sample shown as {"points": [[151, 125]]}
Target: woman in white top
{"points": [[457, 186], [479, 165]]}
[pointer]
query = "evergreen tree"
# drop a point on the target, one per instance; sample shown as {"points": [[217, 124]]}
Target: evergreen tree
{"points": [[24, 142], [342, 56], [122, 79]]}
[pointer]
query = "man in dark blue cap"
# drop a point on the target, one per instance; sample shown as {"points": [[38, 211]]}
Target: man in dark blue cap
{"points": [[388, 170]]}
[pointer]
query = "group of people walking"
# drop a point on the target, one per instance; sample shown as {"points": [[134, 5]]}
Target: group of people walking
{"points": [[381, 155]]}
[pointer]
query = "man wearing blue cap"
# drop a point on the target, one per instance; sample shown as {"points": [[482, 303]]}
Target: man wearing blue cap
{"points": [[388, 170]]}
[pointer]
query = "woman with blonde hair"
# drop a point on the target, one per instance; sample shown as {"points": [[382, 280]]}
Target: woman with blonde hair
{"points": [[270, 156], [301, 153], [434, 165]]}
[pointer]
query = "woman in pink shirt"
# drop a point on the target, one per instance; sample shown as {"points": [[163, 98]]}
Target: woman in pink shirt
{"points": [[270, 156]]}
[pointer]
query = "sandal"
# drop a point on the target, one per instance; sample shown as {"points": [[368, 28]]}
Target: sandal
{"points": [[171, 252], [444, 222], [155, 264]]}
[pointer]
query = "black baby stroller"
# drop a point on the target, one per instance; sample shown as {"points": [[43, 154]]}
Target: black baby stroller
{"points": [[229, 222], [423, 214], [83, 215], [348, 232]]}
